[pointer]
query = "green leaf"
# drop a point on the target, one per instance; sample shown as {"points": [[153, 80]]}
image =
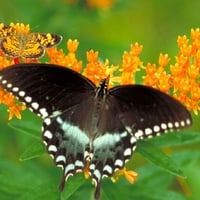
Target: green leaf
{"points": [[177, 138], [33, 151], [47, 191], [27, 127], [158, 158], [72, 186]]}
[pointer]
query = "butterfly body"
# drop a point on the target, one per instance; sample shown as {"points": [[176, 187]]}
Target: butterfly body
{"points": [[89, 127]]}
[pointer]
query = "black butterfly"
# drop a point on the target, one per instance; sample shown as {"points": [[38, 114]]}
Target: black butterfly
{"points": [[88, 124]]}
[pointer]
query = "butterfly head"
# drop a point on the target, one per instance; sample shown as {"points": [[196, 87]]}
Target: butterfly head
{"points": [[103, 87]]}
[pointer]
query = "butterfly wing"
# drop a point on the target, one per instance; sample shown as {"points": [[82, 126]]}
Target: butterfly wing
{"points": [[42, 86], [6, 31], [59, 96], [131, 113], [48, 40], [147, 112]]}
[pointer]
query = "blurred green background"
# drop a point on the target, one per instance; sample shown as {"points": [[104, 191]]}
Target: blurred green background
{"points": [[154, 24]]}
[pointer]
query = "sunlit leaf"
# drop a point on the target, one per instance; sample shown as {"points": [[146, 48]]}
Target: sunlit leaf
{"points": [[33, 151], [27, 127], [158, 158]]}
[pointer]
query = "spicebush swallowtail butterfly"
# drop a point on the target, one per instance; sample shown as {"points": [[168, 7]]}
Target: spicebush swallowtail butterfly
{"points": [[85, 124]]}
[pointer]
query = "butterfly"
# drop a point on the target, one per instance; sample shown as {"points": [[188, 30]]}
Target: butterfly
{"points": [[88, 124], [32, 45]]}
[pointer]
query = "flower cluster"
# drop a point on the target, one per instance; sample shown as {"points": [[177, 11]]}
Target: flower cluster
{"points": [[180, 79]]}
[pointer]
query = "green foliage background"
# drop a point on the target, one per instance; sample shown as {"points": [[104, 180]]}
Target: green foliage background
{"points": [[163, 163]]}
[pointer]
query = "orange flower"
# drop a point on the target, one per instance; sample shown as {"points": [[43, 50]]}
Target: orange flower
{"points": [[130, 176], [9, 100], [21, 28], [131, 64], [183, 75], [95, 70], [67, 60]]}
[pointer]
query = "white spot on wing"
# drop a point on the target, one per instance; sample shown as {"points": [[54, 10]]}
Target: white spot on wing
{"points": [[35, 105], [119, 163], [21, 93], [43, 112], [28, 99], [9, 85], [4, 81], [48, 134], [156, 128], [182, 123], [79, 163], [127, 152], [176, 124], [139, 134], [108, 169], [60, 158], [52, 148], [47, 121], [148, 131], [133, 140], [133, 148], [69, 168], [163, 126], [92, 166], [15, 89], [170, 125], [97, 174], [188, 121]]}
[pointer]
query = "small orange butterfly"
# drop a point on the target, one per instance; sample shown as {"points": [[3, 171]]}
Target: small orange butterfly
{"points": [[31, 45]]}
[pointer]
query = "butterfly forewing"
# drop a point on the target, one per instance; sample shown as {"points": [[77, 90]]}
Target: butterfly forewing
{"points": [[46, 88], [6, 31], [147, 112]]}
